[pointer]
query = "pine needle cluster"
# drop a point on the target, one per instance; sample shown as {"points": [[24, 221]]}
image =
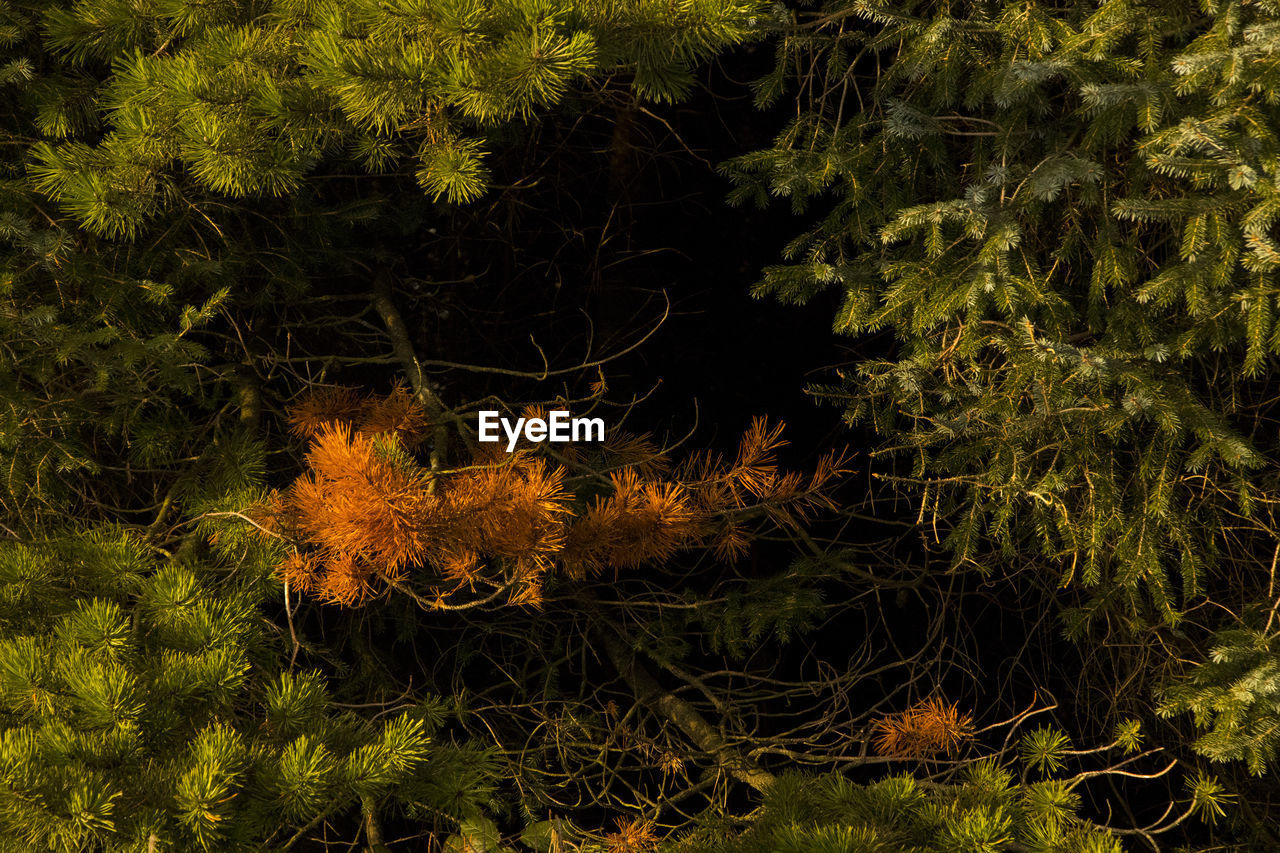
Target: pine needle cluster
{"points": [[929, 728], [366, 515], [634, 835], [1234, 698], [396, 412], [246, 98], [981, 809], [143, 707]]}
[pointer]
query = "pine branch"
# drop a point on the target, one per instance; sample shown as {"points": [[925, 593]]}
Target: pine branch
{"points": [[405, 354], [665, 704]]}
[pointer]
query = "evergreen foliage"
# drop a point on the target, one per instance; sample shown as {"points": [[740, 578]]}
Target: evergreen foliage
{"points": [[144, 706], [1049, 226], [200, 159], [982, 812], [1235, 695], [248, 99], [101, 362], [1060, 211]]}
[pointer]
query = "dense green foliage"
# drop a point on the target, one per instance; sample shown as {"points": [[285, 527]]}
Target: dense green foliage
{"points": [[145, 706], [984, 811], [1233, 695], [249, 98], [1048, 228], [160, 114], [1060, 211], [176, 180]]}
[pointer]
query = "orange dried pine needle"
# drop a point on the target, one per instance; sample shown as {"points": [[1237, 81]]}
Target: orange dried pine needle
{"points": [[357, 500], [929, 728], [640, 522], [366, 513], [397, 413], [633, 836], [309, 415]]}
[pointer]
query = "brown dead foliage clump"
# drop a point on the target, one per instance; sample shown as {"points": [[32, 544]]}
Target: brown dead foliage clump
{"points": [[365, 514], [929, 728]]}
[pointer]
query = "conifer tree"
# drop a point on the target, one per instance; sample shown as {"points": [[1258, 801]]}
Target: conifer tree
{"points": [[155, 121], [1060, 212], [1049, 227]]}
